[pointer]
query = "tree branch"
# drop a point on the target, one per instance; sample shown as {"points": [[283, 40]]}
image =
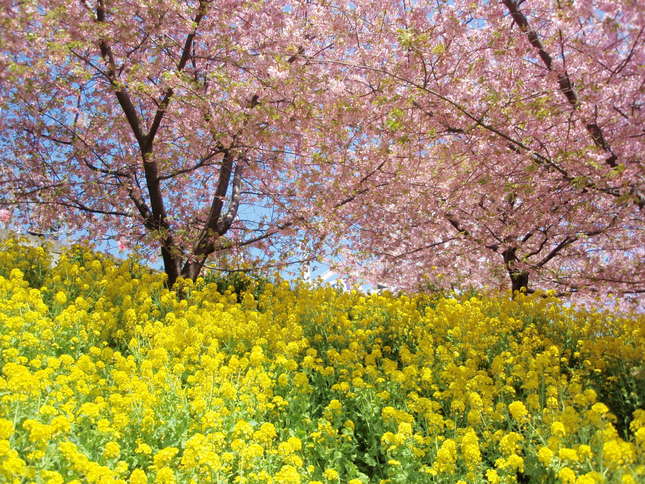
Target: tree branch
{"points": [[201, 163], [564, 82], [224, 222], [185, 56]]}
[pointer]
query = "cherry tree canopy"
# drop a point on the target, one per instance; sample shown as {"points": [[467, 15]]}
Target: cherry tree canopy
{"points": [[192, 126], [443, 141], [521, 125]]}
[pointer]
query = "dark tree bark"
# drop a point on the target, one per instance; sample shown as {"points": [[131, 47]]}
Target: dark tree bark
{"points": [[519, 277]]}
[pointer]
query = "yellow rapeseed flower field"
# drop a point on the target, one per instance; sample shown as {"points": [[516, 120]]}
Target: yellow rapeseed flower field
{"points": [[108, 377]]}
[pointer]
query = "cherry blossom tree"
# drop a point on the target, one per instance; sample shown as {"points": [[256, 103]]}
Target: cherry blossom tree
{"points": [[521, 124], [447, 141], [190, 127]]}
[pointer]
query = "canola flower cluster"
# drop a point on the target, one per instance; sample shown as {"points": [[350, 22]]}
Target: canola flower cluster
{"points": [[108, 377]]}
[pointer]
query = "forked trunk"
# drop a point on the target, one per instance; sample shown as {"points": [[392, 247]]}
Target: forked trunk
{"points": [[191, 270]]}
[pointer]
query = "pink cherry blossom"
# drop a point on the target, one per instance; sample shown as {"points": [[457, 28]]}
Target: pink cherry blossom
{"points": [[5, 215], [517, 133], [195, 127], [443, 144]]}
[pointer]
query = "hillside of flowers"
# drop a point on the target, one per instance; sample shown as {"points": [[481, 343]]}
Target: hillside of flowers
{"points": [[108, 377]]}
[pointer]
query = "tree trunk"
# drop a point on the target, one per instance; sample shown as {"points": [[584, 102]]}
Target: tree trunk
{"points": [[519, 278], [519, 281], [171, 267], [218, 222], [191, 270]]}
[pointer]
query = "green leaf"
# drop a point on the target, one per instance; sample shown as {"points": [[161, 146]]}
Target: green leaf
{"points": [[438, 49]]}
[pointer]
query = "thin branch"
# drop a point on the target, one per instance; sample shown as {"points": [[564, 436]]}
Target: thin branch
{"points": [[201, 163], [415, 250], [185, 56]]}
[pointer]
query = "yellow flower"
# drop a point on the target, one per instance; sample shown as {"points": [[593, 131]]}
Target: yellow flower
{"points": [[509, 444], [266, 433], [638, 421], [138, 477], [242, 427], [39, 433], [90, 409], [567, 476], [470, 449], [590, 395], [164, 456], [165, 475], [518, 411], [590, 478], [552, 402], [288, 475], [334, 407], [405, 428], [639, 436], [253, 451], [52, 477], [257, 355], [125, 349], [6, 429], [331, 475], [545, 455], [61, 424], [301, 380], [515, 462], [599, 408], [617, 453], [566, 453], [584, 451], [295, 443], [143, 448], [492, 476], [121, 467], [446, 457], [111, 450], [237, 444], [557, 428]]}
